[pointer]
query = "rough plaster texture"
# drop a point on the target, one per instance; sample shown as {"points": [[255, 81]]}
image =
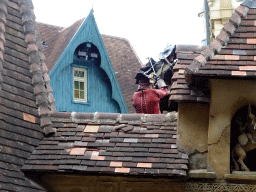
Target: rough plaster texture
{"points": [[219, 159], [198, 161], [193, 127], [227, 97]]}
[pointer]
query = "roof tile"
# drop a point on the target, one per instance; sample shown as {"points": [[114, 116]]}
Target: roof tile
{"points": [[29, 118], [144, 165], [230, 28], [232, 57], [251, 41], [91, 128], [122, 170], [247, 68], [130, 140], [116, 164], [236, 19], [242, 10], [216, 45], [130, 152], [223, 37], [99, 158], [238, 73]]}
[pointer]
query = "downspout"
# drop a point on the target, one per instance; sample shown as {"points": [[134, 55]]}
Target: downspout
{"points": [[207, 22]]}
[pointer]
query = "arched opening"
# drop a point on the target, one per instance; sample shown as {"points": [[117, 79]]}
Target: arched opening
{"points": [[87, 52], [243, 140]]}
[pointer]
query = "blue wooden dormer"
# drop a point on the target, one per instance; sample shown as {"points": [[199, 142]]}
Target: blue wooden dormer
{"points": [[83, 79]]}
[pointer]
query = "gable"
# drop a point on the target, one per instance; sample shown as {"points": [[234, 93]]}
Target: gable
{"points": [[88, 32], [122, 57]]}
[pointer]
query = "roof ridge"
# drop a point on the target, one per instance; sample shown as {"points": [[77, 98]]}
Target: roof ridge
{"points": [[38, 69], [216, 46], [189, 48], [117, 37], [113, 118]]}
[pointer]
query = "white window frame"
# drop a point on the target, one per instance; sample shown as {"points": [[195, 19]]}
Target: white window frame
{"points": [[80, 79]]}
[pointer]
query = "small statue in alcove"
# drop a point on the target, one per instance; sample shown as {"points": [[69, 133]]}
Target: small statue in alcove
{"points": [[246, 140]]}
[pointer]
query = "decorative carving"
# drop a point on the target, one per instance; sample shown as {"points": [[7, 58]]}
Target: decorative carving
{"points": [[246, 140], [210, 3], [182, 187], [218, 187]]}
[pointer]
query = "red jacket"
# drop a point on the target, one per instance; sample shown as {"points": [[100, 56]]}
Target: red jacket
{"points": [[147, 100]]}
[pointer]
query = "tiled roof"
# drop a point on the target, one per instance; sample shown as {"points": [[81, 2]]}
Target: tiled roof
{"points": [[121, 54], [25, 95], [56, 40], [232, 53], [134, 144], [180, 91]]}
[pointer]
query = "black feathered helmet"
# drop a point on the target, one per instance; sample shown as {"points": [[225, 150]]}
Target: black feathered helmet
{"points": [[141, 78]]}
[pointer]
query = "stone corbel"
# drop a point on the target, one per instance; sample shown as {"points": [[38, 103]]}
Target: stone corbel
{"points": [[210, 3]]}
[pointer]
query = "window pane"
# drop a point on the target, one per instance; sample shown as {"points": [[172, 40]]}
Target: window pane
{"points": [[81, 85], [81, 74], [76, 94], [78, 73], [76, 84], [81, 94]]}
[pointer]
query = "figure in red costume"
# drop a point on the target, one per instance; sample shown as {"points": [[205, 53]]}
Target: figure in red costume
{"points": [[146, 99]]}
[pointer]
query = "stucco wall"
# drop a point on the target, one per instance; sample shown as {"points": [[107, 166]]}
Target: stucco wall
{"points": [[193, 132], [227, 96]]}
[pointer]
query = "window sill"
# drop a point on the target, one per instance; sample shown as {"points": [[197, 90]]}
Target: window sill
{"points": [[241, 175], [80, 102], [201, 174]]}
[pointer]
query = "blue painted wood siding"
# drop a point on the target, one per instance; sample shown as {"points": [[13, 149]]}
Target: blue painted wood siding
{"points": [[99, 90]]}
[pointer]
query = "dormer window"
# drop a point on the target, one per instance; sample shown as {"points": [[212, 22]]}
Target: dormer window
{"points": [[80, 84]]}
